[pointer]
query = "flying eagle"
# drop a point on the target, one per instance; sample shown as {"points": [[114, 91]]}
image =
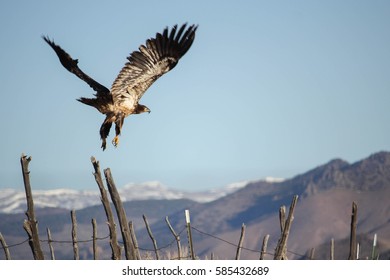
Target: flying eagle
{"points": [[144, 67]]}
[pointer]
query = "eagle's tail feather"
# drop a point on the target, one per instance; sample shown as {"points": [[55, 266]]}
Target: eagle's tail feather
{"points": [[89, 101], [102, 102]]}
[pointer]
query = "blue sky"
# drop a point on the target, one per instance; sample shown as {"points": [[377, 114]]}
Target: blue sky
{"points": [[269, 88]]}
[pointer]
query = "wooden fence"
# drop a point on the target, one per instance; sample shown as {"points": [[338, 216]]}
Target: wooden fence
{"points": [[128, 238]]}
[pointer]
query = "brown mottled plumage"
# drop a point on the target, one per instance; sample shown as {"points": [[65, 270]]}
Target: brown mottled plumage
{"points": [[158, 56]]}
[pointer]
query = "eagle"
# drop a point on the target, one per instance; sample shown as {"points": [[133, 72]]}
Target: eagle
{"points": [[144, 66]]}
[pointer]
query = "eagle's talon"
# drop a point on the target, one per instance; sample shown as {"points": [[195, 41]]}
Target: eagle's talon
{"points": [[103, 144], [115, 141]]}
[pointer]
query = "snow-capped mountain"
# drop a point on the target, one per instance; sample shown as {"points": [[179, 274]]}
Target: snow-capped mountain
{"points": [[14, 201]]}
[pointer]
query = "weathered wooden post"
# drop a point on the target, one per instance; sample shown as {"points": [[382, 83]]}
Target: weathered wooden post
{"points": [[282, 217], [129, 246], [74, 235], [312, 251], [357, 250], [280, 252], [5, 247], [373, 253], [49, 240], [352, 241], [177, 237], [151, 237], [134, 239], [239, 247], [332, 249], [264, 246], [116, 249], [94, 239], [31, 224]]}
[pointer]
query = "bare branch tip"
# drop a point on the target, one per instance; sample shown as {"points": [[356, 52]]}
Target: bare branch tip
{"points": [[24, 156]]}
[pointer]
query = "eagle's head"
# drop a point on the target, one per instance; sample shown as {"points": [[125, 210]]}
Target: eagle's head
{"points": [[141, 109]]}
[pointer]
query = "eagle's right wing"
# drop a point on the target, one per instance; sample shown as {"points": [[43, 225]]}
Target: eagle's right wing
{"points": [[158, 56], [71, 65]]}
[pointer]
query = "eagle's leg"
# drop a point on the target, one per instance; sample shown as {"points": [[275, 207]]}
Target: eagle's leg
{"points": [[118, 127], [104, 130]]}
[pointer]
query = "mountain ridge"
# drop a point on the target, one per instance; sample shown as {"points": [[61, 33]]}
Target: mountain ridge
{"points": [[325, 195], [13, 201]]}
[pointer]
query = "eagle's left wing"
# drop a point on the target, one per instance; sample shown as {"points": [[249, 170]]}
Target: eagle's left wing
{"points": [[71, 65], [145, 66]]}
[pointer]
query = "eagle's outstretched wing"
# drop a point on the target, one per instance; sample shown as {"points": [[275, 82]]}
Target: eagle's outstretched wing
{"points": [[145, 66], [71, 65]]}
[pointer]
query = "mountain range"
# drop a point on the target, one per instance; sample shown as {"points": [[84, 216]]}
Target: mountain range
{"points": [[14, 201], [323, 212]]}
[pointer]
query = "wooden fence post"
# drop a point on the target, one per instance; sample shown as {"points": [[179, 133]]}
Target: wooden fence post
{"points": [[352, 241], [31, 224], [312, 251], [74, 235], [189, 233], [280, 252], [332, 249], [373, 253], [5, 247], [177, 237], [151, 237], [116, 249], [49, 240], [129, 246], [264, 247], [134, 239], [282, 217], [238, 252], [357, 250], [94, 239]]}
